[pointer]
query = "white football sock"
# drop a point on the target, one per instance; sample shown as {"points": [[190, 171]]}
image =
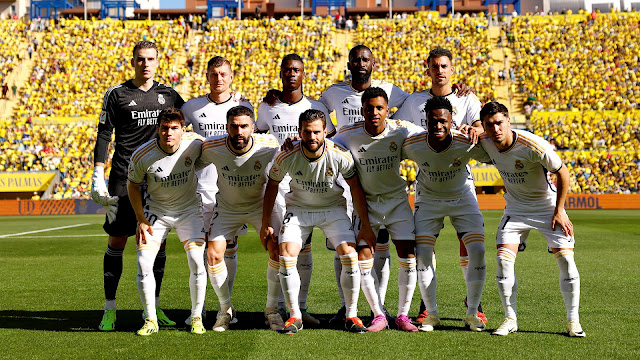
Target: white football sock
{"points": [[305, 269], [569, 283], [426, 272], [507, 283], [382, 266], [477, 270], [145, 279], [368, 285], [273, 284], [290, 282], [337, 269], [231, 260], [350, 281], [407, 277], [198, 277]]}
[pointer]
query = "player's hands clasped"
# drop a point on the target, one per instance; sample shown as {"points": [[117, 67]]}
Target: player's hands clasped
{"points": [[266, 235]]}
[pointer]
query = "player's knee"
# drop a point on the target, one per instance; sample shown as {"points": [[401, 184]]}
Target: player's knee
{"points": [[117, 242], [405, 248], [364, 253]]}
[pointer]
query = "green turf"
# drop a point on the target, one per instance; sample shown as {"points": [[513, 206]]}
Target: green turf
{"points": [[51, 299]]}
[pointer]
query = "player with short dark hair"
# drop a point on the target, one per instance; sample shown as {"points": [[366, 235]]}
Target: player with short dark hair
{"points": [[131, 110], [532, 203], [442, 155], [167, 164]]}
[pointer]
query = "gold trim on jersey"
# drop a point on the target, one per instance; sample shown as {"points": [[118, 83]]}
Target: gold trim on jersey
{"points": [[208, 144], [340, 150], [280, 158], [461, 138], [350, 127], [415, 139], [530, 143], [142, 151]]}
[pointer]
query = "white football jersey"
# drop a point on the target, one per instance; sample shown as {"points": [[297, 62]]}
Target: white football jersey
{"points": [[378, 157], [241, 178], [443, 175], [314, 181], [171, 179], [282, 118], [524, 168], [209, 118], [466, 109], [347, 101]]}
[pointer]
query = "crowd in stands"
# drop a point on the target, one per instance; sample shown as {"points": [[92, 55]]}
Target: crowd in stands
{"points": [[578, 61], [254, 47], [12, 36], [78, 61], [402, 46], [67, 148]]}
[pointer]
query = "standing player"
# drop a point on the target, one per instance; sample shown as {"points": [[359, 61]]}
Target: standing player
{"points": [[242, 159], [345, 99], [281, 120], [130, 108], [442, 155], [376, 145], [207, 115], [168, 166], [316, 200], [466, 112], [523, 160]]}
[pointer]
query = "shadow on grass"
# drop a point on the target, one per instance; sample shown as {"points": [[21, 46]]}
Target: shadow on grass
{"points": [[130, 320]]}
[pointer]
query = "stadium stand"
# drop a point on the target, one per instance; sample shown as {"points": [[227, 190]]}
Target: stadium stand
{"points": [[79, 61], [402, 46], [574, 62], [12, 44]]}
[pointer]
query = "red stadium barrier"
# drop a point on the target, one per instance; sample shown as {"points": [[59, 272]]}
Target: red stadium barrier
{"points": [[49, 207]]}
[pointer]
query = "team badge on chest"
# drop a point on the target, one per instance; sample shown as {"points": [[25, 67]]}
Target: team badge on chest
{"points": [[393, 146], [188, 161], [519, 165], [257, 166], [457, 162], [329, 171], [161, 99]]}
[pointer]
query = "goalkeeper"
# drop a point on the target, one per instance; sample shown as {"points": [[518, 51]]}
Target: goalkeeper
{"points": [[131, 109]]}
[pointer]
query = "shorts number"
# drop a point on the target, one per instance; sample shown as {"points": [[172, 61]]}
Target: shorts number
{"points": [[287, 218], [152, 218]]}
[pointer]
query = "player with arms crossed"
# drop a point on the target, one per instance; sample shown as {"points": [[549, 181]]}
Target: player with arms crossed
{"points": [[168, 166], [523, 160], [442, 155], [207, 116], [316, 200], [466, 113], [376, 145], [131, 109], [281, 120], [242, 159]]}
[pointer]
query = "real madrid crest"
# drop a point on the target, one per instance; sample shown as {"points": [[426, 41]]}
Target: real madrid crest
{"points": [[257, 166], [519, 165], [457, 162], [393, 146], [455, 111], [329, 171], [161, 99], [188, 161]]}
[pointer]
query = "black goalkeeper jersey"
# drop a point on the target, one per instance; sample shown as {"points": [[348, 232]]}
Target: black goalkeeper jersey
{"points": [[133, 113]]}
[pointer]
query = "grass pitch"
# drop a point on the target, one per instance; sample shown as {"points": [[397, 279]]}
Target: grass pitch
{"points": [[51, 299]]}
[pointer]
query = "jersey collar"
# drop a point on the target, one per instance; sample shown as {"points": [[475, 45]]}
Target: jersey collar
{"points": [[324, 151], [253, 143], [218, 103]]}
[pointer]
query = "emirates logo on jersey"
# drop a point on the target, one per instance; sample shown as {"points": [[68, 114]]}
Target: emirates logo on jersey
{"points": [[329, 171], [519, 165], [188, 161], [161, 99], [393, 146], [257, 166], [457, 162]]}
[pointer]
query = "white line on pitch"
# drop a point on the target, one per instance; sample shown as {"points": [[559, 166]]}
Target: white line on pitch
{"points": [[54, 236], [43, 230]]}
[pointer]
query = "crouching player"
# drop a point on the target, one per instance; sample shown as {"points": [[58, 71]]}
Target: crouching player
{"points": [[167, 163], [316, 200], [523, 160], [442, 155], [242, 159]]}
